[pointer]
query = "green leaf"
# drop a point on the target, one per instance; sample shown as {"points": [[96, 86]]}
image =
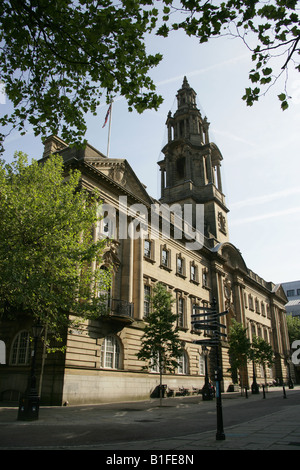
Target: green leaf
{"points": [[267, 71], [282, 96], [254, 77], [284, 105]]}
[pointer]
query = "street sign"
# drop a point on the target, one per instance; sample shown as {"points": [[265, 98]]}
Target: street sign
{"points": [[212, 323], [213, 314], [220, 334], [205, 326], [197, 307], [206, 342], [208, 321]]}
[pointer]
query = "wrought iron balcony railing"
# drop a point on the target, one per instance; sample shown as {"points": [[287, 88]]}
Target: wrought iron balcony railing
{"points": [[118, 307]]}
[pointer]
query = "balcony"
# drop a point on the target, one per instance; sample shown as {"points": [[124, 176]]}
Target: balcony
{"points": [[115, 315], [121, 308]]}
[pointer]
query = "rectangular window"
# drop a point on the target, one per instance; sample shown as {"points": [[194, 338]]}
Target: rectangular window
{"points": [[193, 273], [205, 278], [146, 300], [180, 312], [290, 293], [147, 248], [165, 257], [179, 265]]}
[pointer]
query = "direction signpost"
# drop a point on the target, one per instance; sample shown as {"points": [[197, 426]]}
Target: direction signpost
{"points": [[209, 321]]}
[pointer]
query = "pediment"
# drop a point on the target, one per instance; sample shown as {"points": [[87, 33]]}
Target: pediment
{"points": [[279, 292], [232, 256], [121, 173]]}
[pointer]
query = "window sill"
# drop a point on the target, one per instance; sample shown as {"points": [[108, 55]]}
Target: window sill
{"points": [[183, 276], [165, 267], [150, 260]]}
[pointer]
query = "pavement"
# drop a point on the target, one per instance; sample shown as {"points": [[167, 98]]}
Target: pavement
{"points": [[279, 430]]}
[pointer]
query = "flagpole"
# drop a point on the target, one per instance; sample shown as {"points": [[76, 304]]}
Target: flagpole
{"points": [[109, 129]]}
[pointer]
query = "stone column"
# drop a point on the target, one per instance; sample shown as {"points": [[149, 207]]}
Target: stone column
{"points": [[162, 181], [209, 168], [127, 267], [138, 284], [238, 286], [219, 177]]}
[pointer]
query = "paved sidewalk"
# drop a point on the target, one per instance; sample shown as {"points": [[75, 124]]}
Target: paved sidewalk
{"points": [[276, 431]]}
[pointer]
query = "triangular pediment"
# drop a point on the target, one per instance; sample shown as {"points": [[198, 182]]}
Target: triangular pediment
{"points": [[116, 169], [279, 292], [119, 170]]}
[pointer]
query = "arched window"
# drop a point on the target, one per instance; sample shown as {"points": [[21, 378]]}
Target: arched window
{"points": [[2, 352], [183, 367], [201, 364], [154, 365], [111, 353], [104, 291], [20, 350]]}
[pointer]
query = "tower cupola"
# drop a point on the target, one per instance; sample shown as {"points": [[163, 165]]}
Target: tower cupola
{"points": [[187, 122], [191, 168]]}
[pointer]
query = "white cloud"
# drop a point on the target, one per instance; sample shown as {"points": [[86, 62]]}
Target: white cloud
{"points": [[266, 198], [234, 137], [204, 70], [268, 215]]}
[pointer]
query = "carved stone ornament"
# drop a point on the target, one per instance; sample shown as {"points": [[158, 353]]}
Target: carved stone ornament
{"points": [[228, 293], [117, 173], [222, 222], [110, 255]]}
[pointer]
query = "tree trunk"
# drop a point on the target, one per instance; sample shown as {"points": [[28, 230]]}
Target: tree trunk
{"points": [[160, 379]]}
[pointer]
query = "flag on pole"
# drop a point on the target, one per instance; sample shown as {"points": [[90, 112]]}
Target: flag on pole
{"points": [[107, 115]]}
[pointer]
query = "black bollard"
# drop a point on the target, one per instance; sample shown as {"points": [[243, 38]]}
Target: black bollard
{"points": [[264, 393], [284, 394]]}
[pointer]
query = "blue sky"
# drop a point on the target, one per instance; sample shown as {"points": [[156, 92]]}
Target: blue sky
{"points": [[260, 146]]}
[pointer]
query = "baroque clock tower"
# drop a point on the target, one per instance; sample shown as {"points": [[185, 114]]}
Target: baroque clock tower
{"points": [[190, 171]]}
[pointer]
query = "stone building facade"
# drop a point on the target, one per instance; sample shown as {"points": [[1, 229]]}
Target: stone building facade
{"points": [[100, 362]]}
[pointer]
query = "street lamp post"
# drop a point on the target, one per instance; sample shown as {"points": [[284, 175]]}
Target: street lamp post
{"points": [[288, 363], [206, 390], [30, 401], [254, 386]]}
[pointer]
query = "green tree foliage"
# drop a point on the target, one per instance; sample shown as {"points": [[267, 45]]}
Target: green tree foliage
{"points": [[261, 352], [57, 59], [160, 343], [241, 350], [46, 245], [269, 29], [293, 324], [239, 347]]}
